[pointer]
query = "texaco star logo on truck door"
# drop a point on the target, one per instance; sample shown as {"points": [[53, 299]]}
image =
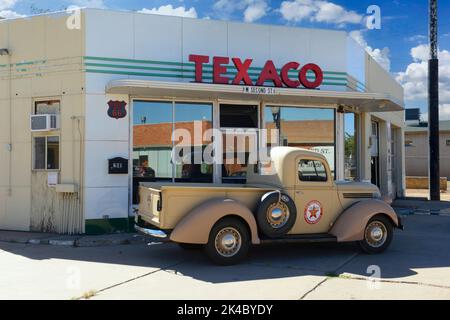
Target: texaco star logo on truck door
{"points": [[313, 212]]}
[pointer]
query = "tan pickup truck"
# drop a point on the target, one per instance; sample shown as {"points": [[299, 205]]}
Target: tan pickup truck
{"points": [[295, 198]]}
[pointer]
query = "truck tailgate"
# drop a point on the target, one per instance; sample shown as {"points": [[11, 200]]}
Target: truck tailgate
{"points": [[150, 204]]}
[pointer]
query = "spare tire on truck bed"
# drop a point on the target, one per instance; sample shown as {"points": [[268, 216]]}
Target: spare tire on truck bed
{"points": [[276, 214]]}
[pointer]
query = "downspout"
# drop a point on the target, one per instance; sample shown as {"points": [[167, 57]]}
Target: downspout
{"points": [[80, 191], [9, 145], [79, 200]]}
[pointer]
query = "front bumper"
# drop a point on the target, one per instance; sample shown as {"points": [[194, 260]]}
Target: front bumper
{"points": [[151, 232]]}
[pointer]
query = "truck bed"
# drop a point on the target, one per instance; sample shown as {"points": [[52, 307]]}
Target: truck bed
{"points": [[165, 204]]}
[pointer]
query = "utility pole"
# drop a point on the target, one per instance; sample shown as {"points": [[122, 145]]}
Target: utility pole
{"points": [[433, 104]]}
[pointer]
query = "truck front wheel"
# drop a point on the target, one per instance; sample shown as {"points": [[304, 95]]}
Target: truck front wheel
{"points": [[229, 242], [378, 235]]}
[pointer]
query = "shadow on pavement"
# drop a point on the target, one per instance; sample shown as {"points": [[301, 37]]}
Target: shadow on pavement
{"points": [[424, 244]]}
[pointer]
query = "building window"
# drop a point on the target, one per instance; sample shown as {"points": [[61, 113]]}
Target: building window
{"points": [[46, 153], [238, 124], [310, 128], [238, 116], [153, 125], [47, 107], [312, 171], [152, 145], [193, 120], [447, 142], [350, 146]]}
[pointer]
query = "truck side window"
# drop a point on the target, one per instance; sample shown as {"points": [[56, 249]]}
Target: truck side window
{"points": [[312, 170]]}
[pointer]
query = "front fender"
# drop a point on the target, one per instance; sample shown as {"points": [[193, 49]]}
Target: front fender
{"points": [[351, 223], [197, 224]]}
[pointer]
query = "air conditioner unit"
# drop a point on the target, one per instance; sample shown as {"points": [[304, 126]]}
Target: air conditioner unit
{"points": [[44, 122]]}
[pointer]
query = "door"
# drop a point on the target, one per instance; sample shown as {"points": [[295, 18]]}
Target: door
{"points": [[316, 197], [239, 125], [374, 154]]}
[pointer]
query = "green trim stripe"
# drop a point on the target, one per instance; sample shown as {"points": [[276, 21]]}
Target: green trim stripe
{"points": [[112, 225], [357, 84], [181, 76], [181, 64], [191, 71], [180, 70]]}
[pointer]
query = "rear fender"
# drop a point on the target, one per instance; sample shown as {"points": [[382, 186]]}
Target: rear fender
{"points": [[351, 223], [197, 224]]}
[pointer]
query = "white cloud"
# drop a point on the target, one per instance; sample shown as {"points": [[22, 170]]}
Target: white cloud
{"points": [[169, 10], [7, 4], [444, 113], [255, 11], [415, 78], [100, 4], [380, 55], [5, 9], [252, 9], [9, 14], [417, 38], [318, 11]]}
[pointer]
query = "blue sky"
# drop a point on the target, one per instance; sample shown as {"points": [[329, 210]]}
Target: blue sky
{"points": [[400, 44]]}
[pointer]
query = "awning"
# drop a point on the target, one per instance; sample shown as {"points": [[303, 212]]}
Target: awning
{"points": [[361, 101]]}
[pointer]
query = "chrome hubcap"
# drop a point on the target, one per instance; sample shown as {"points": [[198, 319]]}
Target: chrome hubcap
{"points": [[228, 242], [376, 234], [277, 215]]}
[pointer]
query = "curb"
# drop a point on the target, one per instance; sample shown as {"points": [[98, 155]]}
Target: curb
{"points": [[409, 212], [85, 242]]}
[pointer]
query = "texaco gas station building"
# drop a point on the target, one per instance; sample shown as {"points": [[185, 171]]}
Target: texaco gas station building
{"points": [[89, 101]]}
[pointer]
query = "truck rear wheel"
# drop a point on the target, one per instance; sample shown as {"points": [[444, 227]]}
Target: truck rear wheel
{"points": [[229, 242], [276, 214], [378, 235]]}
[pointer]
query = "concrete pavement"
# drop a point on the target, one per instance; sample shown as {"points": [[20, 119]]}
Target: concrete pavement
{"points": [[417, 266]]}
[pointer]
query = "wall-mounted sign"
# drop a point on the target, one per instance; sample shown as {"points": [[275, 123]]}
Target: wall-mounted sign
{"points": [[268, 72], [52, 178], [116, 109], [118, 165], [258, 90]]}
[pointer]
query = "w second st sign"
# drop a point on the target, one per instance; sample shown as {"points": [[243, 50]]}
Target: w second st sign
{"points": [[268, 72]]}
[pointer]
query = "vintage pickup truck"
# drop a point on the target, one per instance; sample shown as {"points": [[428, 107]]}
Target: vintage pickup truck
{"points": [[295, 198]]}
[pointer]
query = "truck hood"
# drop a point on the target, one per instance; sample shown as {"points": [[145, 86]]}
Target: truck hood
{"points": [[357, 189]]}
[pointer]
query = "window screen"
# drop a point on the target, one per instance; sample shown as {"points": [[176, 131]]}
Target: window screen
{"points": [[47, 107]]}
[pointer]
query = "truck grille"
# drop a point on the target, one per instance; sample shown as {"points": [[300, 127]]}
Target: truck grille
{"points": [[358, 195]]}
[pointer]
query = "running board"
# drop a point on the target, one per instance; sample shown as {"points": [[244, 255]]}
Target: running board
{"points": [[305, 238]]}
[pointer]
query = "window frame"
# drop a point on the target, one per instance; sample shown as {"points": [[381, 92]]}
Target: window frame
{"points": [[42, 100], [33, 153], [265, 105], [173, 102], [325, 166]]}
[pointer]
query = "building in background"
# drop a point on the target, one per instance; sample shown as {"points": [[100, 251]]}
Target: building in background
{"points": [[416, 149], [89, 101]]}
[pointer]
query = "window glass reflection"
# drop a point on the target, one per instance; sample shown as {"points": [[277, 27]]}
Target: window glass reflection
{"points": [[350, 147], [309, 128], [192, 121], [152, 145]]}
